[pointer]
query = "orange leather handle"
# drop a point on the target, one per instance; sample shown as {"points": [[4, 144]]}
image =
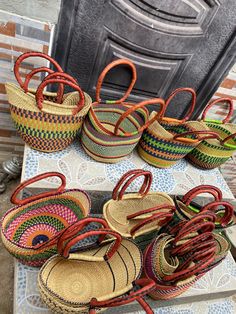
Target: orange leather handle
{"points": [[37, 178], [208, 135]]}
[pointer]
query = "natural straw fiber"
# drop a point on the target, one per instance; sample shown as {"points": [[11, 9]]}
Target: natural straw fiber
{"points": [[176, 261], [30, 230], [70, 283], [47, 121], [186, 208], [162, 149], [136, 214], [113, 128]]}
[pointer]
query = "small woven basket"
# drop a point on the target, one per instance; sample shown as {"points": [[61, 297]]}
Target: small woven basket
{"points": [[162, 149], [175, 262], [88, 281], [136, 214], [112, 129], [47, 121], [30, 230], [186, 208]]}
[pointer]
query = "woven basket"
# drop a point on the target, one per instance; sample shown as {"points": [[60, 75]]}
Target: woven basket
{"points": [[90, 280], [222, 128], [186, 208], [171, 123], [175, 262], [30, 230], [136, 214], [162, 149], [112, 129], [42, 121]]}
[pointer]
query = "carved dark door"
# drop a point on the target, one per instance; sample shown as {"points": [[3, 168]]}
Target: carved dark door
{"points": [[173, 43]]}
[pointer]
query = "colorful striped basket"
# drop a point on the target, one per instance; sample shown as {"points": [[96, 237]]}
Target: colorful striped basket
{"points": [[175, 262], [136, 214], [162, 149], [47, 121], [186, 208], [222, 128], [94, 279], [30, 230], [171, 123], [112, 129]]}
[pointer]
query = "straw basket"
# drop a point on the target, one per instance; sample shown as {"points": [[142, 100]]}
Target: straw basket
{"points": [[88, 281], [170, 124], [186, 208], [47, 121], [136, 214], [176, 262], [112, 129], [30, 230], [162, 149]]}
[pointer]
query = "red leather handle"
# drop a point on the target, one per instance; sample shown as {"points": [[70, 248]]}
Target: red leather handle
{"points": [[45, 82], [147, 286], [190, 195], [75, 228], [128, 178], [111, 250], [228, 138], [48, 70], [104, 73], [155, 217], [228, 208], [37, 178], [209, 135], [220, 100], [151, 210], [142, 104], [26, 55], [193, 102]]}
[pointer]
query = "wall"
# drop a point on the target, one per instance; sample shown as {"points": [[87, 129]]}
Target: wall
{"points": [[42, 10]]}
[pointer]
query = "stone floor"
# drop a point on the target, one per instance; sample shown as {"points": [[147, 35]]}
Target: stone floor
{"points": [[6, 261]]}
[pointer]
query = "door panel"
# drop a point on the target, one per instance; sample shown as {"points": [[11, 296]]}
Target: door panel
{"points": [[172, 43]]}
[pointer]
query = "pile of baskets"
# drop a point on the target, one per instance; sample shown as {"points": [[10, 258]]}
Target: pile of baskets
{"points": [[146, 243], [110, 130]]}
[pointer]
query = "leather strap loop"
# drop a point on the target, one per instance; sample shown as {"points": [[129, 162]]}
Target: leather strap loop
{"points": [[104, 73], [228, 208], [190, 195], [223, 142], [26, 55], [128, 178], [216, 101], [209, 135], [37, 178]]}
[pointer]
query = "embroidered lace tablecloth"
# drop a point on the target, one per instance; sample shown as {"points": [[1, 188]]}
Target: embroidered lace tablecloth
{"points": [[83, 172]]}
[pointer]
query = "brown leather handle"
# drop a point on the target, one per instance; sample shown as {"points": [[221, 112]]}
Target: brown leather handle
{"points": [[201, 189], [142, 104], [209, 135], [37, 178], [193, 101], [65, 81], [128, 178], [50, 71], [216, 101], [104, 73], [26, 55], [223, 142]]}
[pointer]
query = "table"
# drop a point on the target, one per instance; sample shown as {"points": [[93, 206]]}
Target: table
{"points": [[99, 179]]}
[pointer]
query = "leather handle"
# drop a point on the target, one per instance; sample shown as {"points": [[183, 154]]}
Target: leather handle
{"points": [[104, 73], [142, 104], [209, 135], [37, 178], [147, 285], [75, 228], [216, 101], [151, 210], [128, 178], [111, 250], [26, 55], [228, 211], [201, 189], [65, 81], [223, 142], [193, 101]]}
